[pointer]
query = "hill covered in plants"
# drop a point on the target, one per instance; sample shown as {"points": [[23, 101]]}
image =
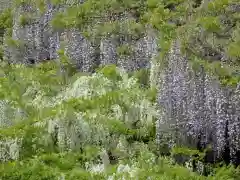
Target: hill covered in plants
{"points": [[84, 127], [114, 89]]}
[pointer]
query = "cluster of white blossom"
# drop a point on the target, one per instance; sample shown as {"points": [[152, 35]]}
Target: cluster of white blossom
{"points": [[74, 129]]}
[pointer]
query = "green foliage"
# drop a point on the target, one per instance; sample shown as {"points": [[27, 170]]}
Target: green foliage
{"points": [[212, 33], [142, 76], [124, 50], [186, 151], [5, 27], [206, 29], [106, 118], [226, 74], [67, 118], [25, 19], [211, 24], [6, 19], [1, 52], [110, 72]]}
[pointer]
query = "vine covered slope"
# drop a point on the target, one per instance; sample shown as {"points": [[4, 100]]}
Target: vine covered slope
{"points": [[105, 89]]}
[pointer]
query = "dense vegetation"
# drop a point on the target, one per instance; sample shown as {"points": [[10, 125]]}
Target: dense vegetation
{"points": [[83, 127], [57, 122]]}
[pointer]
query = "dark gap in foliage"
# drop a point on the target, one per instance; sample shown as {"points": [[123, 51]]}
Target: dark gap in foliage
{"points": [[226, 153], [197, 3], [31, 61]]}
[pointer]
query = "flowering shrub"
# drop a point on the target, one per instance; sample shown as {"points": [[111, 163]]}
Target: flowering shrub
{"points": [[88, 127]]}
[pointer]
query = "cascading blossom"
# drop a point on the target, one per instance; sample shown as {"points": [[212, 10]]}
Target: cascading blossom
{"points": [[73, 129]]}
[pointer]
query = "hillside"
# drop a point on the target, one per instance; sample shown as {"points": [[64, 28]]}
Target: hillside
{"points": [[114, 89]]}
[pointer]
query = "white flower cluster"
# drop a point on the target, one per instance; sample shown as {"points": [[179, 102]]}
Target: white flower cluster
{"points": [[75, 129], [9, 149], [125, 172]]}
